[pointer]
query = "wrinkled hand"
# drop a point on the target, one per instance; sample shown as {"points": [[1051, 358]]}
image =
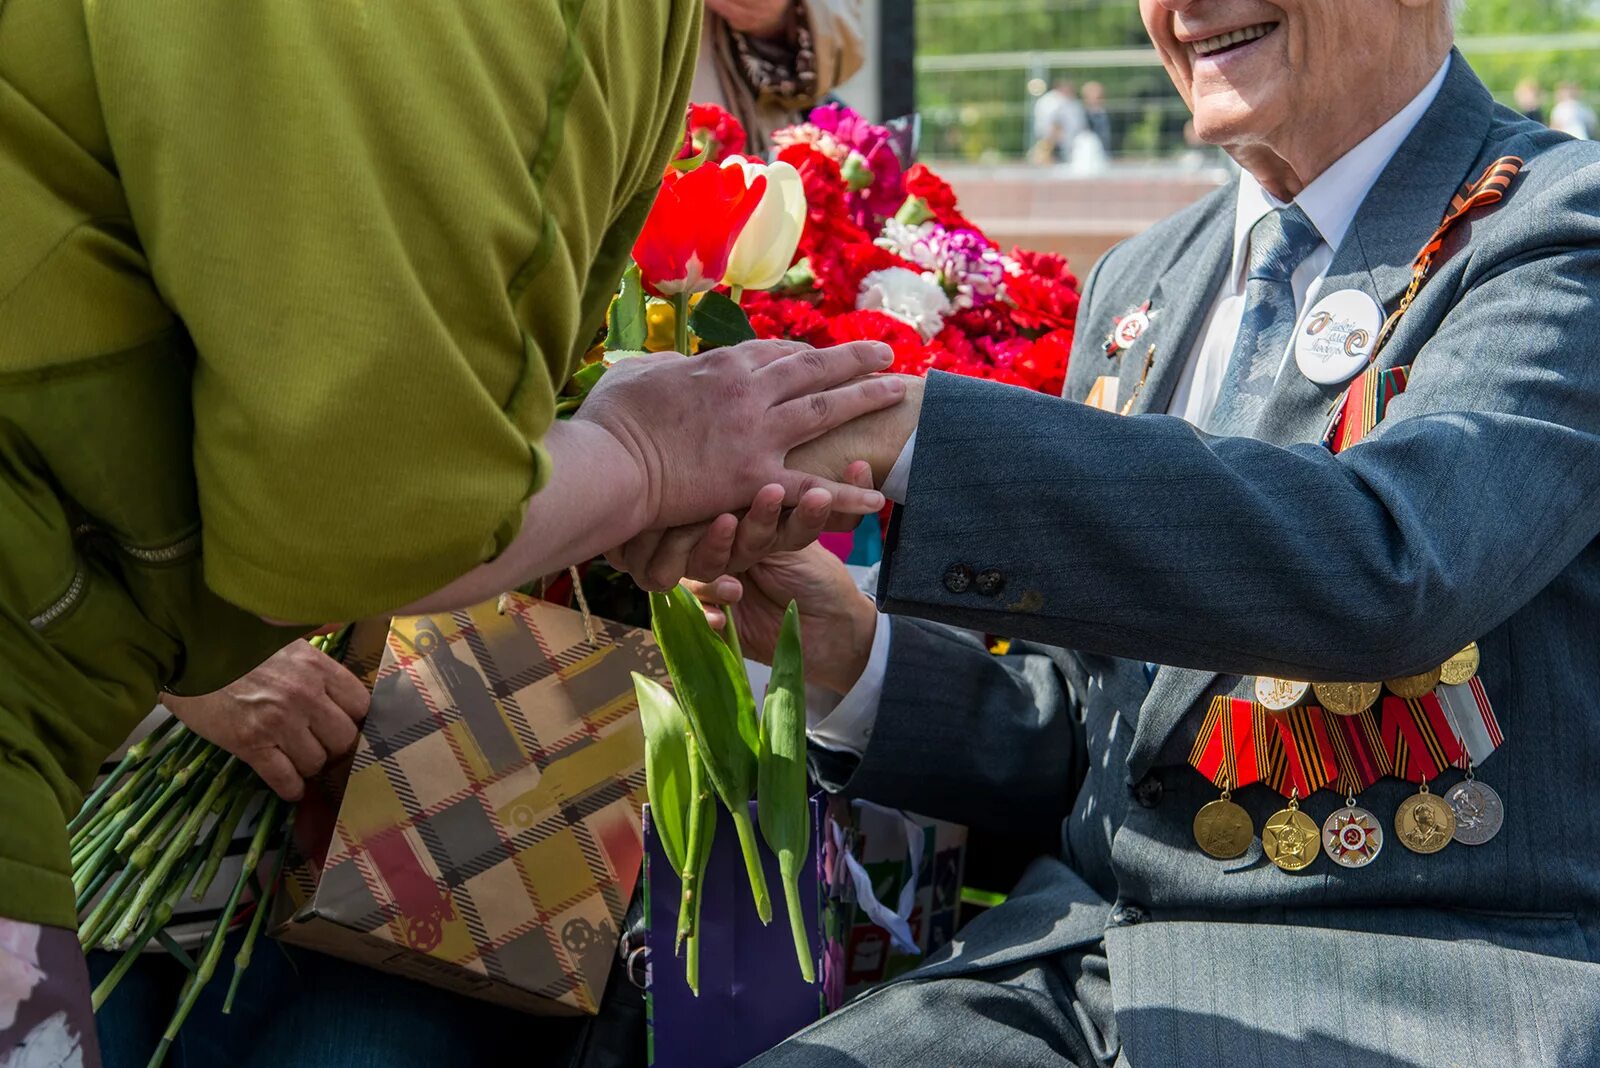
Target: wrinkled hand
{"points": [[286, 719], [705, 434], [837, 621], [729, 544], [757, 18]]}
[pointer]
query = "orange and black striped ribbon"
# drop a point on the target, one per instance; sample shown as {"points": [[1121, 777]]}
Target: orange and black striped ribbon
{"points": [[1301, 759], [1231, 750], [1358, 749], [1418, 738], [1358, 412]]}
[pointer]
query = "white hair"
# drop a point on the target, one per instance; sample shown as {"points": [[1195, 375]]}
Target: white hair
{"points": [[1454, 7]]}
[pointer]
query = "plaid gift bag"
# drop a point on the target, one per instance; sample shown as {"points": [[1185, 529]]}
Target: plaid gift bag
{"points": [[486, 837]]}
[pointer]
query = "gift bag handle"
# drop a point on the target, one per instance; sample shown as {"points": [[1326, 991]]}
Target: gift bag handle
{"points": [[897, 923]]}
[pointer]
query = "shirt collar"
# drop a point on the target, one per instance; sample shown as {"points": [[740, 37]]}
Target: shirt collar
{"points": [[1333, 198]]}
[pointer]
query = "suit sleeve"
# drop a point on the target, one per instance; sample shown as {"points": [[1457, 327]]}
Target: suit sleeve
{"points": [[1144, 538], [993, 742]]}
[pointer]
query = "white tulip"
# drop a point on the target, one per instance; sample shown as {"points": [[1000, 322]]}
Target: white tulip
{"points": [[765, 247]]}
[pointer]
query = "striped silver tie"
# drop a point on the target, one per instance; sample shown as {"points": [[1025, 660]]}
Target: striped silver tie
{"points": [[1279, 244]]}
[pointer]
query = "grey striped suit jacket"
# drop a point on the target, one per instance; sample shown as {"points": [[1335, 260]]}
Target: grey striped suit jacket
{"points": [[1471, 513]]}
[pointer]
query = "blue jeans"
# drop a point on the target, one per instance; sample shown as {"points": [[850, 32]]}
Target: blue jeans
{"points": [[300, 1009]]}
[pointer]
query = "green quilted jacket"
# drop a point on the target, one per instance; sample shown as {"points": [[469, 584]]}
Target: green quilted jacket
{"points": [[286, 291]]}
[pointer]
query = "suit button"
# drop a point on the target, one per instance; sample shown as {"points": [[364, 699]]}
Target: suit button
{"points": [[1128, 915], [958, 578], [990, 582], [1148, 790]]}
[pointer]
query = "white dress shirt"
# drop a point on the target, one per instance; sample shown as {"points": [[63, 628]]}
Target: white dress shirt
{"points": [[1330, 202]]}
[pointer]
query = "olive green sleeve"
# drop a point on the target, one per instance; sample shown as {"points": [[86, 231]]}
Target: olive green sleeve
{"points": [[369, 218]]}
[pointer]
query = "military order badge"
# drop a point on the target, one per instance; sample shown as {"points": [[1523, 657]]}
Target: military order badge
{"points": [[1128, 328]]}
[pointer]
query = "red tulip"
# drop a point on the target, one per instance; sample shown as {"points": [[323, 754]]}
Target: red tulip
{"points": [[689, 233]]}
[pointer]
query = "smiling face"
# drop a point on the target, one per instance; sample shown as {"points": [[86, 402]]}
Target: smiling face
{"points": [[1280, 73]]}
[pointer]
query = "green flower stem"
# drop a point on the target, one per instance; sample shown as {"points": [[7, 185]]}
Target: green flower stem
{"points": [[86, 895], [736, 293], [130, 760], [797, 923], [680, 322], [190, 765], [752, 863], [174, 853], [160, 916], [243, 794], [105, 911], [219, 934], [241, 960]]}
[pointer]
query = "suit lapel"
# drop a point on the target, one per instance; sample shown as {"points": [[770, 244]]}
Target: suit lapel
{"points": [[1396, 219], [1178, 304]]}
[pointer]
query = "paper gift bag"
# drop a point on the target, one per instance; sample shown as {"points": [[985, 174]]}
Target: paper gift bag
{"points": [[487, 836], [897, 879], [752, 995]]}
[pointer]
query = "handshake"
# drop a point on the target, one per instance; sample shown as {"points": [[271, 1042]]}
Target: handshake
{"points": [[750, 450]]}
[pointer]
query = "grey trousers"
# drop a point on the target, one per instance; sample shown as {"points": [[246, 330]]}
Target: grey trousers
{"points": [[1048, 1013]]}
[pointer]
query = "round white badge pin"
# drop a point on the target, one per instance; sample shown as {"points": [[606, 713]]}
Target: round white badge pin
{"points": [[1335, 340]]}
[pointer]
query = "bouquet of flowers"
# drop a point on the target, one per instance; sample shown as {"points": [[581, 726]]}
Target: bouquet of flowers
{"points": [[837, 239]]}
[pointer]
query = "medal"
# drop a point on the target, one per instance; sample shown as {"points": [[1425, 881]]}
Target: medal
{"points": [[1352, 836], [1290, 838], [1478, 810], [1459, 669], [1223, 829], [1336, 339], [1279, 695], [1425, 822], [1413, 687], [1347, 698]]}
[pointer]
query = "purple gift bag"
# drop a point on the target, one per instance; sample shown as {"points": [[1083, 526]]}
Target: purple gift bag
{"points": [[752, 995]]}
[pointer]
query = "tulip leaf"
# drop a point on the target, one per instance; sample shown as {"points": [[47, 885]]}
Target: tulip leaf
{"points": [[627, 327], [717, 321], [666, 767]]}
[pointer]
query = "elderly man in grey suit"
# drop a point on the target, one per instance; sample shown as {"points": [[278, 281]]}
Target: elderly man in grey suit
{"points": [[1200, 540]]}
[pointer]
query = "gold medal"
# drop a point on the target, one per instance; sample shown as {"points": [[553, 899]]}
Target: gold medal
{"points": [[1279, 695], [1414, 687], [1223, 829], [1347, 698], [1460, 668], [1425, 822], [1289, 839]]}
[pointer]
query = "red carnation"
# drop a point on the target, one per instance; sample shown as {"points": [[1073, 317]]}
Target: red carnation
{"points": [[935, 192], [712, 130], [1044, 365], [785, 317], [1042, 290], [910, 355], [828, 220], [840, 269]]}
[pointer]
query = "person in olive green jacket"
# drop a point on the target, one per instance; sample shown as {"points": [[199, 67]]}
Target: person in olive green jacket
{"points": [[287, 290]]}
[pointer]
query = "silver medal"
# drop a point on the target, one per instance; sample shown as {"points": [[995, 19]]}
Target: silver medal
{"points": [[1352, 837], [1479, 811]]}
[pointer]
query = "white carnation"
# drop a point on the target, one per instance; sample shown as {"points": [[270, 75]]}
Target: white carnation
{"points": [[908, 296]]}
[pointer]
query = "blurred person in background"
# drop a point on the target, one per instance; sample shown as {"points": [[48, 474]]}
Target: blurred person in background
{"points": [[770, 61], [1094, 111], [1571, 115], [1058, 119], [1529, 99]]}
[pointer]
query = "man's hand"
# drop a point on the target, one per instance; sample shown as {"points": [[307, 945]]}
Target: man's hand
{"points": [[705, 434], [755, 18], [286, 719], [837, 621], [877, 438]]}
